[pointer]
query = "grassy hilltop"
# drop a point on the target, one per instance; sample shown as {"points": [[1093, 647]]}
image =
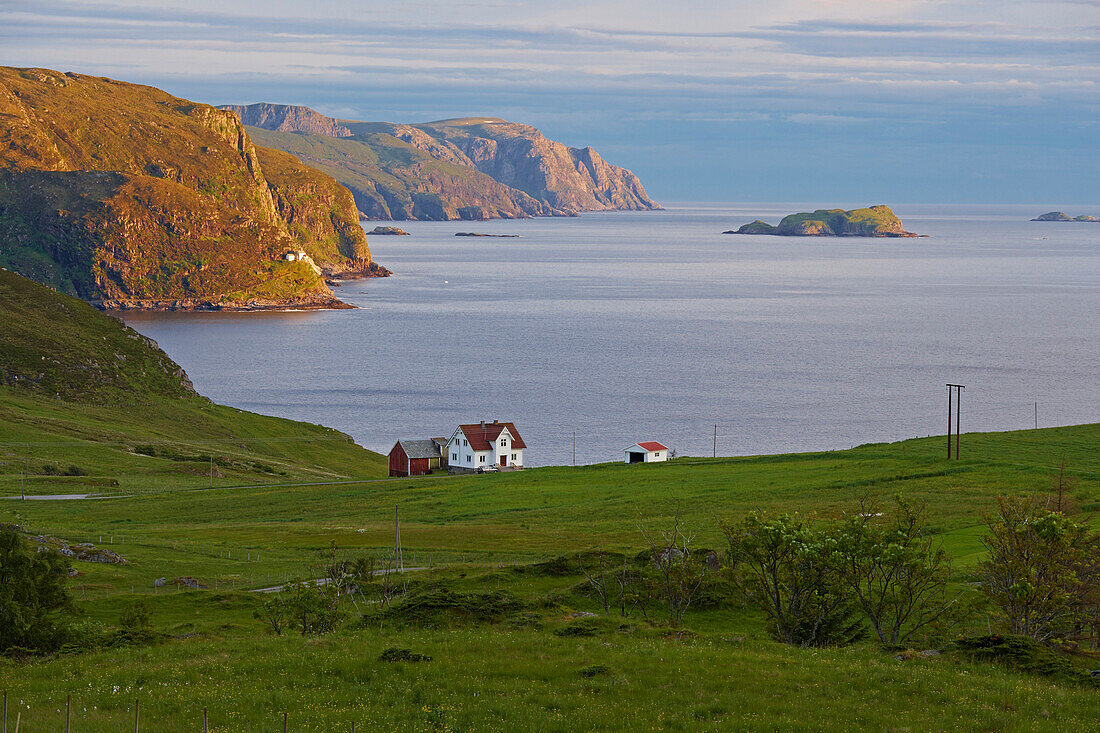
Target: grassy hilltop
{"points": [[127, 196]]}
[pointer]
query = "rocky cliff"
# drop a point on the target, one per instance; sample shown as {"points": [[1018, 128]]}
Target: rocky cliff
{"points": [[569, 179], [455, 169], [131, 198], [287, 118], [874, 221]]}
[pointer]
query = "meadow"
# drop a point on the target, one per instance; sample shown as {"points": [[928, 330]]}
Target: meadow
{"points": [[548, 666]]}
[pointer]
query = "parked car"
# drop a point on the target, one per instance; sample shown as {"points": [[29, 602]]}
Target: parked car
{"points": [[488, 469]]}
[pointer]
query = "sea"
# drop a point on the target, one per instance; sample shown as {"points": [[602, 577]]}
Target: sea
{"points": [[611, 328]]}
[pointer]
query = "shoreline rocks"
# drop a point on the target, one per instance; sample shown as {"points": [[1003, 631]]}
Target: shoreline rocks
{"points": [[380, 231]]}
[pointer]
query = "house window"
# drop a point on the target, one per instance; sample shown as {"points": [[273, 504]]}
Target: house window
{"points": [[514, 457], [657, 454], [469, 459], [503, 443], [481, 459], [454, 456]]}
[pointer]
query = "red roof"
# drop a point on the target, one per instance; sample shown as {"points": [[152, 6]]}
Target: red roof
{"points": [[651, 445], [482, 436]]}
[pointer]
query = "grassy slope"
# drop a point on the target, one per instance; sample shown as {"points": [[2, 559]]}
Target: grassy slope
{"points": [[726, 675], [80, 389]]}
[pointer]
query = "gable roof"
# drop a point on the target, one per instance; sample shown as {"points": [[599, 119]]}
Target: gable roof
{"points": [[481, 437], [420, 448], [649, 446]]}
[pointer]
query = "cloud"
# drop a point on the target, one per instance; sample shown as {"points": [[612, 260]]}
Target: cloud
{"points": [[1028, 69]]}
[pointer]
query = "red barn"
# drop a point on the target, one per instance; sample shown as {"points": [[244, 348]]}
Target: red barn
{"points": [[414, 457]]}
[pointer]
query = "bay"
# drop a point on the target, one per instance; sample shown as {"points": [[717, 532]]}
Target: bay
{"points": [[628, 326]]}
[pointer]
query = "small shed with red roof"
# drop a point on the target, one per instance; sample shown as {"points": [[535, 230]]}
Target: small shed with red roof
{"points": [[647, 451]]}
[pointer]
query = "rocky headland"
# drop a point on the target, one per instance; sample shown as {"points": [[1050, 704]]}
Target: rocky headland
{"points": [[874, 221], [130, 198], [387, 232], [1060, 216], [467, 169]]}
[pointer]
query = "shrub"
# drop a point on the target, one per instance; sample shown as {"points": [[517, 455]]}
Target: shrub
{"points": [[1026, 654], [1043, 570], [35, 606], [783, 566], [395, 654], [440, 607]]}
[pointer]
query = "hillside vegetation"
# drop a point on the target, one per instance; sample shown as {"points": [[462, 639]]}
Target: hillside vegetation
{"points": [[502, 632], [89, 405], [129, 197], [874, 221]]}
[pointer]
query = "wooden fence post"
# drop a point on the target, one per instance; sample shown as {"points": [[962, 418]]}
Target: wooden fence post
{"points": [[68, 711], [137, 708], [204, 720], [284, 722]]}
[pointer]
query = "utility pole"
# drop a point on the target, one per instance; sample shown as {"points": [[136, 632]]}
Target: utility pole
{"points": [[950, 411], [1036, 415], [574, 447], [714, 446], [211, 469], [397, 559], [956, 390]]}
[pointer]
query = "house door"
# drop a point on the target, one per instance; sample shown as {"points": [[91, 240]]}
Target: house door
{"points": [[504, 460]]}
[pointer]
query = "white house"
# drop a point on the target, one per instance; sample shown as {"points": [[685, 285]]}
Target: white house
{"points": [[481, 445], [649, 451], [295, 255]]}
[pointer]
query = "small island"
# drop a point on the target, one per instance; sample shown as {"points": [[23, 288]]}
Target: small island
{"points": [[478, 234], [388, 231], [1060, 216], [875, 221]]}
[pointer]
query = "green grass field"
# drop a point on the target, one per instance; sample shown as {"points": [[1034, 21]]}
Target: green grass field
{"points": [[480, 534]]}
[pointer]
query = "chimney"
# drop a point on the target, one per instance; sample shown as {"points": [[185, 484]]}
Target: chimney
{"points": [[496, 422], [482, 424]]}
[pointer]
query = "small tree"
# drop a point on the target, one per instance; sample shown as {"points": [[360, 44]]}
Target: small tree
{"points": [[34, 599], [679, 574], [303, 605], [596, 578], [626, 584], [783, 566], [895, 573], [1043, 569]]}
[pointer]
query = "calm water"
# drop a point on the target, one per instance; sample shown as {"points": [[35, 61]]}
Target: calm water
{"points": [[635, 326]]}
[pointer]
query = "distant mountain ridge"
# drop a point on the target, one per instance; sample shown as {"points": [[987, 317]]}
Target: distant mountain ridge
{"points": [[129, 197], [287, 118], [467, 168]]}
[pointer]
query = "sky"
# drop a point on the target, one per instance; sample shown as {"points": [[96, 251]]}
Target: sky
{"points": [[827, 101]]}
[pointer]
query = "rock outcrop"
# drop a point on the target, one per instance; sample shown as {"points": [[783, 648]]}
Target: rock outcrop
{"points": [[129, 197], [568, 179], [875, 221], [287, 118], [470, 169], [1061, 216]]}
